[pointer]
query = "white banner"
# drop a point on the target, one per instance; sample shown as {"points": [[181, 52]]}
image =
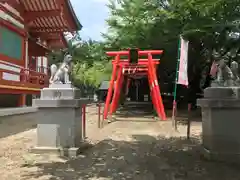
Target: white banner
{"points": [[183, 63]]}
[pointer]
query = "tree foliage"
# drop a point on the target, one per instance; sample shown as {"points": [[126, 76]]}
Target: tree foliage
{"points": [[91, 65], [157, 24]]}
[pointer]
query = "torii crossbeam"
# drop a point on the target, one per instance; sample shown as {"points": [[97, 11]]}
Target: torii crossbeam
{"points": [[132, 67]]}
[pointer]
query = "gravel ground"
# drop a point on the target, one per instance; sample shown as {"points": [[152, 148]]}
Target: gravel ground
{"points": [[136, 148]]}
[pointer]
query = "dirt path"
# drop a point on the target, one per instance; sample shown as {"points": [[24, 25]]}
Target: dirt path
{"points": [[138, 149]]}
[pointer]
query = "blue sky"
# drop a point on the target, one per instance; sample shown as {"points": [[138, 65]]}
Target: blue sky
{"points": [[92, 15]]}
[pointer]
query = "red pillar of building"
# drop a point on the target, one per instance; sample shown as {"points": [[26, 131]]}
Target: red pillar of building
{"points": [[22, 100]]}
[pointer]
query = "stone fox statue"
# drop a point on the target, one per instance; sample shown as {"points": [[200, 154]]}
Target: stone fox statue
{"points": [[224, 75], [234, 68], [61, 75]]}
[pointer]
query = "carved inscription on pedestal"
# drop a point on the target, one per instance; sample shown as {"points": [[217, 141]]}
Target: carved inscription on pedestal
{"points": [[57, 94]]}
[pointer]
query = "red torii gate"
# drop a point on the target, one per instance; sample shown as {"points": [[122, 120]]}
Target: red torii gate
{"points": [[141, 67]]}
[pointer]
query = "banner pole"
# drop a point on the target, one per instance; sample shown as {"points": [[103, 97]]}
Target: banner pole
{"points": [[174, 109]]}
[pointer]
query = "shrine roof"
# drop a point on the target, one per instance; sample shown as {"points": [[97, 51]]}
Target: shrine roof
{"points": [[50, 16], [79, 25], [47, 19]]}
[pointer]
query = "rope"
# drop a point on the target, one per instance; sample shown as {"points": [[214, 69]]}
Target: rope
{"points": [[131, 70]]}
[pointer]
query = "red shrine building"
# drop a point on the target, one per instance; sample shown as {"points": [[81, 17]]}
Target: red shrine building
{"points": [[29, 30]]}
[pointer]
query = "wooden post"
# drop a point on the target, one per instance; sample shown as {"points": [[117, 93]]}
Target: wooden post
{"points": [[117, 92], [111, 87], [155, 89]]}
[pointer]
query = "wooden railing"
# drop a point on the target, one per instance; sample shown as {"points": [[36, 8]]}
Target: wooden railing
{"points": [[24, 77]]}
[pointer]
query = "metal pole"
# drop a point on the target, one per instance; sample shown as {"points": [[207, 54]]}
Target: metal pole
{"points": [[189, 120], [84, 121], [174, 110], [99, 115]]}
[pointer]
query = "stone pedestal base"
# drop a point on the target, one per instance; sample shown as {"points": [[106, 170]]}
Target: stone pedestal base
{"points": [[66, 152], [221, 157], [59, 121], [220, 123]]}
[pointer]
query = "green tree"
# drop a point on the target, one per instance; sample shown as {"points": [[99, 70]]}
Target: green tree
{"points": [[91, 64], [157, 24]]}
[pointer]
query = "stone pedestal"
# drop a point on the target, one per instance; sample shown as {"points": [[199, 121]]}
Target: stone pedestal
{"points": [[59, 120], [221, 123]]}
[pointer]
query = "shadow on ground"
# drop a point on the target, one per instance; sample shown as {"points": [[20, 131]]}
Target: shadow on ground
{"points": [[146, 110], [10, 125], [136, 110], [144, 158]]}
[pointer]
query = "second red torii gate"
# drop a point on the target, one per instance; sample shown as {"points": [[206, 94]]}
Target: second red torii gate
{"points": [[143, 67]]}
